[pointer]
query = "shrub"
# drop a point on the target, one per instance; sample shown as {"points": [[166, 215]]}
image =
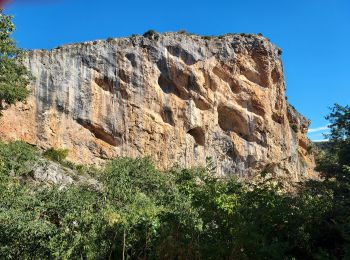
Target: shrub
{"points": [[183, 32], [110, 39], [17, 158], [58, 155], [295, 128], [207, 37], [310, 148], [151, 34]]}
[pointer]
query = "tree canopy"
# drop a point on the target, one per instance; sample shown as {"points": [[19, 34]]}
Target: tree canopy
{"points": [[334, 159], [14, 76]]}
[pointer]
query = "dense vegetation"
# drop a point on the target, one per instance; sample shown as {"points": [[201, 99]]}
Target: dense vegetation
{"points": [[14, 76], [142, 213]]}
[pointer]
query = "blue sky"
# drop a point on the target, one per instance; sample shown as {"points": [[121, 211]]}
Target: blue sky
{"points": [[314, 35]]}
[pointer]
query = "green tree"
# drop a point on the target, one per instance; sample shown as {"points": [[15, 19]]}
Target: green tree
{"points": [[335, 156], [333, 162], [14, 77]]}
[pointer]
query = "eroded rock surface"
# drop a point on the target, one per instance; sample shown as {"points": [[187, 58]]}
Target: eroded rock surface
{"points": [[175, 97]]}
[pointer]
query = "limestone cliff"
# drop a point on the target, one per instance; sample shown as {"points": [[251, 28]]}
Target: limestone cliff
{"points": [[175, 97]]}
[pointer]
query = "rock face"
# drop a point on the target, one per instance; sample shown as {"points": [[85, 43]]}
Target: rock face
{"points": [[52, 173], [177, 98]]}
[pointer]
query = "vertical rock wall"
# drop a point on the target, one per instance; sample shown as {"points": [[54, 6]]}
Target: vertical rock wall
{"points": [[175, 97]]}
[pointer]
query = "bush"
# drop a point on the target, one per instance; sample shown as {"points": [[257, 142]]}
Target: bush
{"points": [[206, 37], [295, 128], [151, 34], [310, 149], [58, 155], [110, 39], [183, 32], [17, 158]]}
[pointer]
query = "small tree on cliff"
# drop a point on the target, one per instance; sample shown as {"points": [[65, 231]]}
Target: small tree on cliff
{"points": [[14, 77]]}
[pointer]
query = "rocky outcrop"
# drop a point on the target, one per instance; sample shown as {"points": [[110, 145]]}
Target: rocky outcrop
{"points": [[53, 173], [177, 98]]}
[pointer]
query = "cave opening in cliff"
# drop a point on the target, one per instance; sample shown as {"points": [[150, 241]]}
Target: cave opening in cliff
{"points": [[198, 134], [167, 115]]}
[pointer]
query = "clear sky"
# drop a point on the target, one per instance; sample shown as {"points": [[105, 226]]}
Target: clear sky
{"points": [[314, 35]]}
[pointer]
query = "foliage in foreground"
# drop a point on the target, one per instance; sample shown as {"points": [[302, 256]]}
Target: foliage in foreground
{"points": [[142, 213]]}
